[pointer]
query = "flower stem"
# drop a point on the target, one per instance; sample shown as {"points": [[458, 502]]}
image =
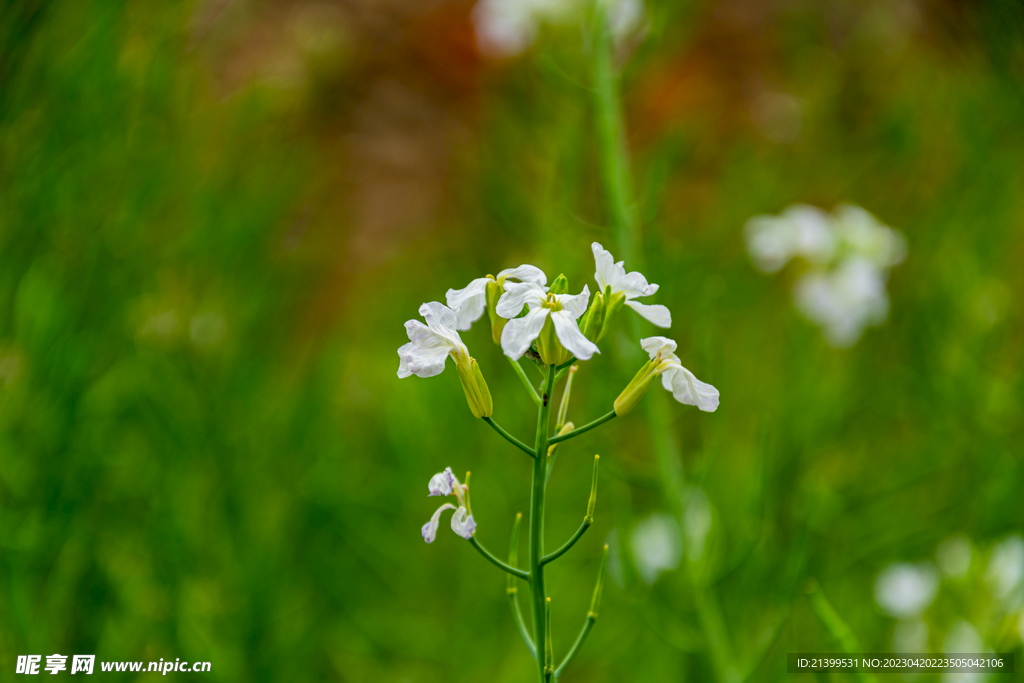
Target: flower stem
{"points": [[595, 603], [568, 544], [512, 588], [511, 439], [534, 396], [537, 521], [585, 428], [496, 562]]}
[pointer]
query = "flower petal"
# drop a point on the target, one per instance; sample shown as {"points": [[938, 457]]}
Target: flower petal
{"points": [[441, 484], [525, 273], [633, 285], [568, 332], [656, 313], [469, 302], [463, 523], [425, 355], [688, 389], [519, 333], [604, 264], [429, 530], [575, 305], [517, 295], [658, 345]]}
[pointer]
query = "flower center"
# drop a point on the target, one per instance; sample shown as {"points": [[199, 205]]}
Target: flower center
{"points": [[552, 303]]}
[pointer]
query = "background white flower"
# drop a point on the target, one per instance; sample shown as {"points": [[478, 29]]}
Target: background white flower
{"points": [[905, 590], [849, 254], [657, 546]]}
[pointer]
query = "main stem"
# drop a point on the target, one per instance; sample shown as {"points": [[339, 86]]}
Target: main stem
{"points": [[540, 463]]}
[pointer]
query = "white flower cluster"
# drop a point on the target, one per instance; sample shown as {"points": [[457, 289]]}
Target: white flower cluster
{"points": [[849, 253], [554, 327]]}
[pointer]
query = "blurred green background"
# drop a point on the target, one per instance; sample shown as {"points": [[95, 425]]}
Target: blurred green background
{"points": [[216, 217]]}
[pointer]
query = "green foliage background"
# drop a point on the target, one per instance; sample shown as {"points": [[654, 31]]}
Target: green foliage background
{"points": [[205, 452]]}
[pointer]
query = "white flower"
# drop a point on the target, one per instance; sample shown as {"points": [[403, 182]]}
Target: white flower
{"points": [[657, 546], [681, 382], [863, 235], [905, 590], [844, 301], [444, 484], [505, 28], [430, 345], [1006, 566], [562, 309], [628, 285], [470, 302], [800, 230]]}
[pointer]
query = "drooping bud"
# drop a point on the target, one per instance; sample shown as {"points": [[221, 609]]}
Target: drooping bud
{"points": [[636, 389], [477, 394], [560, 285], [493, 292], [592, 321]]}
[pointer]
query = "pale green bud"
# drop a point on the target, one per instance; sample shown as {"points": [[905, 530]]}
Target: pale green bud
{"points": [[592, 321], [494, 292], [477, 394], [636, 389], [560, 285]]}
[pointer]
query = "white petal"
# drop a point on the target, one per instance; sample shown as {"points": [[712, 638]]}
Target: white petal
{"points": [[441, 484], [689, 390], [575, 305], [519, 333], [468, 303], [525, 273], [442, 321], [604, 264], [568, 332], [463, 523], [633, 285], [771, 242], [655, 345], [425, 354], [429, 530], [517, 295], [656, 313]]}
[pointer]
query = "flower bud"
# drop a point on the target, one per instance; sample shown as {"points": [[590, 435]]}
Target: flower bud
{"points": [[477, 394], [592, 321], [493, 292], [636, 389], [550, 349], [613, 304], [560, 285]]}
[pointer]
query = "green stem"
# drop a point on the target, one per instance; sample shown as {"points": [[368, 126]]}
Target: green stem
{"points": [[537, 520], [525, 380], [579, 430], [595, 603], [512, 588], [568, 544], [511, 439], [836, 626], [496, 562]]}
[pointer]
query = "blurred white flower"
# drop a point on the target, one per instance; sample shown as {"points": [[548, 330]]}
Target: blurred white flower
{"points": [[506, 28], [962, 638], [954, 556], [657, 546], [910, 636], [849, 253], [800, 230], [905, 590], [1006, 567], [843, 301]]}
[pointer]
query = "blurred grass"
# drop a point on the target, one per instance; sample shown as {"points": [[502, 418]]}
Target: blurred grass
{"points": [[205, 453]]}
